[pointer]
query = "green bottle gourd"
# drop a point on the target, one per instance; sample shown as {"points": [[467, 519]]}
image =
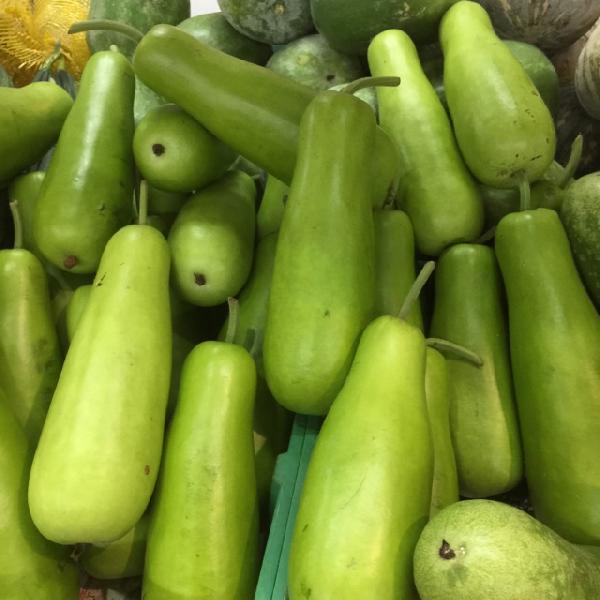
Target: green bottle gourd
{"points": [[272, 204], [502, 125], [30, 566], [76, 307], [436, 189], [30, 122], [30, 355], [272, 422], [554, 333], [88, 190], [445, 477], [202, 541], [394, 264], [488, 550], [323, 287], [367, 491], [122, 558], [212, 240], [469, 311], [106, 419]]}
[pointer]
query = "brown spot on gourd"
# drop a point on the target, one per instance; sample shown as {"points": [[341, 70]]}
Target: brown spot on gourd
{"points": [[199, 279], [70, 261], [158, 149], [147, 469], [446, 551]]}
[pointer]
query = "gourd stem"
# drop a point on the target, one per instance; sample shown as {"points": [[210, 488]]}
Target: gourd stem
{"points": [[143, 203], [107, 25], [446, 347], [14, 209], [365, 82], [415, 290], [234, 317], [524, 191], [574, 160]]}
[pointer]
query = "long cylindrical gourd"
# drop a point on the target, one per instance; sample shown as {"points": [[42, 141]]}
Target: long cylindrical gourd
{"points": [[469, 311], [76, 307], [212, 240], [367, 490], [394, 264], [30, 355], [555, 353], [30, 122], [436, 189], [502, 125], [30, 566], [323, 287], [106, 419], [445, 477], [202, 541], [272, 204], [252, 109], [88, 190]]}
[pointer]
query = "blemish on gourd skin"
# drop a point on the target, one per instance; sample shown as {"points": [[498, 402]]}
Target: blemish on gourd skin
{"points": [[70, 261], [446, 551], [158, 149], [199, 279], [147, 469]]}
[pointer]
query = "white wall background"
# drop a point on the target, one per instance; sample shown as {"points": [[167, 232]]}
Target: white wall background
{"points": [[200, 7]]}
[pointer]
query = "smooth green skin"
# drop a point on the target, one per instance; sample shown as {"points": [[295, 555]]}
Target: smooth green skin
{"points": [[250, 108], [145, 100], [436, 189], [30, 356], [501, 553], [214, 30], [269, 21], [175, 153], [106, 420], [87, 193], [76, 307], [164, 203], [501, 122], [202, 542], [212, 241], [30, 566], [141, 15], [358, 523], [59, 299], [445, 476], [580, 216], [323, 288], [311, 61], [540, 70], [350, 26], [469, 311], [270, 211], [536, 64], [30, 122], [121, 558], [25, 190], [500, 202], [555, 352], [271, 421], [394, 264], [368, 95]]}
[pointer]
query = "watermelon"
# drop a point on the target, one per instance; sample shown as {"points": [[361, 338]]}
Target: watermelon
{"points": [[269, 21], [141, 15], [549, 24]]}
